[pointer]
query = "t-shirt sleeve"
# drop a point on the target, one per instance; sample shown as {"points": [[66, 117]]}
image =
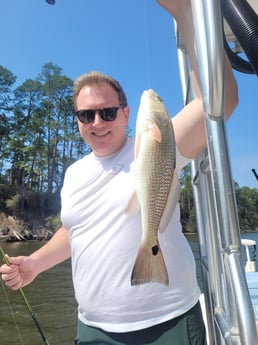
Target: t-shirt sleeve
{"points": [[181, 161]]}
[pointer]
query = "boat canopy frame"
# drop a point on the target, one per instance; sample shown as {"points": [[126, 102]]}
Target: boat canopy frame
{"points": [[229, 311]]}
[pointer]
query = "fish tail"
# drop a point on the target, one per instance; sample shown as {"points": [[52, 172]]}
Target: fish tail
{"points": [[149, 266]]}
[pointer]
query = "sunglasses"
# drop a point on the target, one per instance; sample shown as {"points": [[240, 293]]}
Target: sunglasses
{"points": [[106, 114]]}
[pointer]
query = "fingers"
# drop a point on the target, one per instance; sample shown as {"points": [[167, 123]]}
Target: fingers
{"points": [[17, 260], [11, 276], [14, 283]]}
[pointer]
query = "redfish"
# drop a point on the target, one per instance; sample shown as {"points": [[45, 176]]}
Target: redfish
{"points": [[156, 187]]}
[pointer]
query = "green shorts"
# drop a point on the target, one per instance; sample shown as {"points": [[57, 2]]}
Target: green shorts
{"points": [[187, 329]]}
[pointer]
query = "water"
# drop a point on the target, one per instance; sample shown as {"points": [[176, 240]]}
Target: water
{"points": [[52, 299]]}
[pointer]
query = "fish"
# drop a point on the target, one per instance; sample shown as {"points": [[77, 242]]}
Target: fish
{"points": [[156, 185]]}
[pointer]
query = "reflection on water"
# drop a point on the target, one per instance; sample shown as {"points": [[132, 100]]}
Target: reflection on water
{"points": [[52, 299]]}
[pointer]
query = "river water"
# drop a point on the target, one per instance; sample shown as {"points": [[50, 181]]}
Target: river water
{"points": [[52, 300]]}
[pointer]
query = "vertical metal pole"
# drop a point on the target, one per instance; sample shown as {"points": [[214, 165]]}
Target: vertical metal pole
{"points": [[210, 52]]}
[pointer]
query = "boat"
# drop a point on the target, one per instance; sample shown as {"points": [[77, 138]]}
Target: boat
{"points": [[249, 247], [251, 273], [249, 256], [230, 288]]}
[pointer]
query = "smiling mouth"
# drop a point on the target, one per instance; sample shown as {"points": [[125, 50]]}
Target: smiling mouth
{"points": [[101, 134]]}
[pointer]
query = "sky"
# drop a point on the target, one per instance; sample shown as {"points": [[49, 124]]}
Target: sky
{"points": [[134, 42]]}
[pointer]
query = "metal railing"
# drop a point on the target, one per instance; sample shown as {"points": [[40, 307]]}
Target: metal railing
{"points": [[230, 315]]}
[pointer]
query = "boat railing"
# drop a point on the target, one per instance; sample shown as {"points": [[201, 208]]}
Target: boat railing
{"points": [[228, 307], [250, 254]]}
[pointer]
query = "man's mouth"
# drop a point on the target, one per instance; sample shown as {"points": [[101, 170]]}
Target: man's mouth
{"points": [[101, 134]]}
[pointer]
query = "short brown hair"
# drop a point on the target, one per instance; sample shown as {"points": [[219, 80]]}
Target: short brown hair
{"points": [[98, 78]]}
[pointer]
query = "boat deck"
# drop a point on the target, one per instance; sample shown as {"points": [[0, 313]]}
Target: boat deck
{"points": [[252, 282]]}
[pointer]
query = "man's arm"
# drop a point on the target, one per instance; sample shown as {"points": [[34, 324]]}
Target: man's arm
{"points": [[189, 123], [24, 269]]}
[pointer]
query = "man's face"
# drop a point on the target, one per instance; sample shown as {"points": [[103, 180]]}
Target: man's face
{"points": [[104, 137]]}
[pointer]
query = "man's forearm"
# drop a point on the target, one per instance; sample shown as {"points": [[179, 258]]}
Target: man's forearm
{"points": [[55, 251]]}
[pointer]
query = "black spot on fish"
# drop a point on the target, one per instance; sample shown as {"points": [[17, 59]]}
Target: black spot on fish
{"points": [[155, 250]]}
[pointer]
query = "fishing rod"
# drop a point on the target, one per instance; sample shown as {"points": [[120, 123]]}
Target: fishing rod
{"points": [[32, 314], [255, 174]]}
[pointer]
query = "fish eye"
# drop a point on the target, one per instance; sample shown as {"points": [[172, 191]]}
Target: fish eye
{"points": [[159, 98]]}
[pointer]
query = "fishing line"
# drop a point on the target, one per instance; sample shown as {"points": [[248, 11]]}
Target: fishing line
{"points": [[12, 312], [32, 314], [147, 47]]}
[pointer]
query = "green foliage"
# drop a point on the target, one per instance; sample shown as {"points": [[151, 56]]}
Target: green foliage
{"points": [[14, 204], [247, 205], [39, 139], [247, 201], [6, 192], [53, 222], [186, 201], [40, 135]]}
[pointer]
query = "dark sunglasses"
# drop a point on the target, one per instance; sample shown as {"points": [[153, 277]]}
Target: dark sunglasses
{"points": [[106, 114]]}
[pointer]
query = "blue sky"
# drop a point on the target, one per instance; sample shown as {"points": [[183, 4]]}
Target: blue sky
{"points": [[131, 40]]}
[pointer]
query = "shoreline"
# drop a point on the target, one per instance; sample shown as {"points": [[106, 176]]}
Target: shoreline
{"points": [[13, 229], [45, 235]]}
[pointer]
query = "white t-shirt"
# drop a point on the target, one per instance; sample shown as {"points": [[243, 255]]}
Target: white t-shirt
{"points": [[105, 242]]}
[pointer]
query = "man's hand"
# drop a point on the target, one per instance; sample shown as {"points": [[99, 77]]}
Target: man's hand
{"points": [[19, 273]]}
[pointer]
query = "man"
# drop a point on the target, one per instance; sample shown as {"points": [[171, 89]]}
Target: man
{"points": [[102, 241]]}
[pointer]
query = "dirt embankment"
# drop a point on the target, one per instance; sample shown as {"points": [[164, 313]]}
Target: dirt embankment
{"points": [[13, 229]]}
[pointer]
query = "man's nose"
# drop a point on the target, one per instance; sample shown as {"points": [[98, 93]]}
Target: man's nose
{"points": [[97, 120]]}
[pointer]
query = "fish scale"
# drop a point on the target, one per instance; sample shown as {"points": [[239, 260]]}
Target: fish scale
{"points": [[158, 190], [155, 172]]}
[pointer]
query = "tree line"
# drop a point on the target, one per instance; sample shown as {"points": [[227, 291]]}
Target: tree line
{"points": [[39, 139], [246, 199]]}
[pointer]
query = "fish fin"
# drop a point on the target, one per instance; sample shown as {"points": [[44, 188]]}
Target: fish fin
{"points": [[172, 201], [133, 205], [137, 145], [149, 266], [156, 133]]}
